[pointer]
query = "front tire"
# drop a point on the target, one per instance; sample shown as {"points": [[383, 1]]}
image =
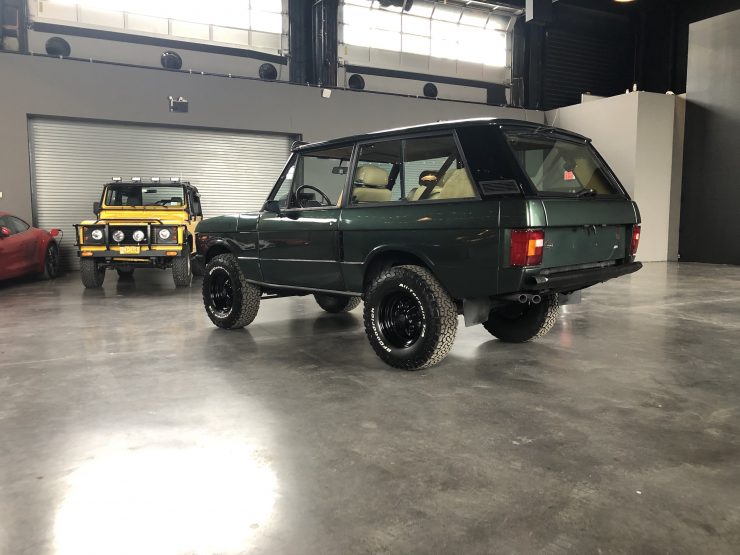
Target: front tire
{"points": [[410, 320], [230, 301], [51, 261], [519, 323], [181, 272], [337, 303], [92, 274]]}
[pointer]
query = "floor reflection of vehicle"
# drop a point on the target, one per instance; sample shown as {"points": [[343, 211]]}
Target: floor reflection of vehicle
{"points": [[27, 250]]}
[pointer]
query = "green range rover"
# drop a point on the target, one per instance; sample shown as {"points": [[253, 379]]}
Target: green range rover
{"points": [[500, 221]]}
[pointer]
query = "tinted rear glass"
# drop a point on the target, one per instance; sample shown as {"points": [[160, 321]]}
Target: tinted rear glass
{"points": [[559, 166]]}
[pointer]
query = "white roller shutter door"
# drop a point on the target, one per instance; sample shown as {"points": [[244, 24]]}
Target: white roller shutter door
{"points": [[71, 160]]}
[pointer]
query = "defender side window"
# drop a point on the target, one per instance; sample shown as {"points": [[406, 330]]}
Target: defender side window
{"points": [[315, 179], [195, 207]]}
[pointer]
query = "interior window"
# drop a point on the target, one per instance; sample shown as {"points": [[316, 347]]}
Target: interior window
{"points": [[433, 170], [315, 179], [377, 177]]}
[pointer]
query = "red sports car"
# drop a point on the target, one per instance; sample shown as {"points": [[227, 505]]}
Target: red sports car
{"points": [[27, 250]]}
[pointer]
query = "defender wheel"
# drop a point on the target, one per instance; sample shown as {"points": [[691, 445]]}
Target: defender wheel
{"points": [[410, 319], [337, 303], [125, 273], [231, 302], [518, 323], [91, 273], [51, 261], [181, 268]]}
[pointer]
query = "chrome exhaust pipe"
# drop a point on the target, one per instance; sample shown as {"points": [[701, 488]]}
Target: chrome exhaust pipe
{"points": [[523, 298], [536, 299]]}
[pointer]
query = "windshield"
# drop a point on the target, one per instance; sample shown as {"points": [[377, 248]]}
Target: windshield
{"points": [[559, 166], [145, 195]]}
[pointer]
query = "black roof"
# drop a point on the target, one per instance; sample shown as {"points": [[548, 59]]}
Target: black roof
{"points": [[437, 126]]}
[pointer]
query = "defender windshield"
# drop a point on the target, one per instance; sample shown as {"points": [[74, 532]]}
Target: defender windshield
{"points": [[560, 166], [149, 195]]}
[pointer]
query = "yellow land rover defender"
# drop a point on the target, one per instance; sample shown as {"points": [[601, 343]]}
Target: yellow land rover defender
{"points": [[140, 225]]}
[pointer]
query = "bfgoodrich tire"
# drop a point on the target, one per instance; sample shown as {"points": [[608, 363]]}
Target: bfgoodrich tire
{"points": [[92, 274], [181, 273], [337, 303], [230, 301], [518, 323], [410, 319]]}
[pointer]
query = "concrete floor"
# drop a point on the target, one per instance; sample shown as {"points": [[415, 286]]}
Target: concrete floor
{"points": [[129, 424]]}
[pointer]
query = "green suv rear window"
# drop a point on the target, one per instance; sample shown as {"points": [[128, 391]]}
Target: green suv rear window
{"points": [[559, 166]]}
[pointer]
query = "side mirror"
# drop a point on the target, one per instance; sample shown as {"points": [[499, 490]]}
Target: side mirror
{"points": [[96, 208], [272, 206], [4, 232]]}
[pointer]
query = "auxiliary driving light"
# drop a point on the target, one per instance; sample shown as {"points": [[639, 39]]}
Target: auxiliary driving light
{"points": [[138, 236], [97, 234], [164, 234], [118, 236]]}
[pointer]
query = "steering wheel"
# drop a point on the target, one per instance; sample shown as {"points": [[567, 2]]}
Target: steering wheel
{"points": [[163, 202], [311, 187]]}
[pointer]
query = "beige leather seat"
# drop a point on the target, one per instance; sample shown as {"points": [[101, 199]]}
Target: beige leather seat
{"points": [[371, 185], [456, 184]]}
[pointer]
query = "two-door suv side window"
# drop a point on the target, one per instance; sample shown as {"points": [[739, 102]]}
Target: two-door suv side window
{"points": [[411, 170], [315, 179]]}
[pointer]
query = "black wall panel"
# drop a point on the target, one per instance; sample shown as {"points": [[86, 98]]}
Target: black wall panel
{"points": [[586, 51]]}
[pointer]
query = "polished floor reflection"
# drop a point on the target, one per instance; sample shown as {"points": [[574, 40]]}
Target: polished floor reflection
{"points": [[128, 424]]}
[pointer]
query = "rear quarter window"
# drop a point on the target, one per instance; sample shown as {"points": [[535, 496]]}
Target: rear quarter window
{"points": [[560, 166]]}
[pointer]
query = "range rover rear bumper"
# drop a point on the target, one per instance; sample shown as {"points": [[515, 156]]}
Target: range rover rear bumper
{"points": [[578, 279]]}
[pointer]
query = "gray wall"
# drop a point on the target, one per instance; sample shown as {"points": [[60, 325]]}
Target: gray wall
{"points": [[711, 194], [74, 89], [640, 136]]}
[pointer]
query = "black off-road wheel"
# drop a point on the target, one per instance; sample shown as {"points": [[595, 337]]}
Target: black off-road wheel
{"points": [[410, 319], [181, 272], [91, 273], [337, 303], [51, 261], [125, 273], [231, 302], [519, 323]]}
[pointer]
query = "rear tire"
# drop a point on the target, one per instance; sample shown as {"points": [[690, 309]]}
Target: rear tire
{"points": [[51, 261], [230, 301], [181, 272], [91, 273], [337, 303], [519, 323], [410, 320], [125, 273]]}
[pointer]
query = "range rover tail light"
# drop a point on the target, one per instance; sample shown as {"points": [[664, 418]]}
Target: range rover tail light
{"points": [[635, 240], [526, 247]]}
